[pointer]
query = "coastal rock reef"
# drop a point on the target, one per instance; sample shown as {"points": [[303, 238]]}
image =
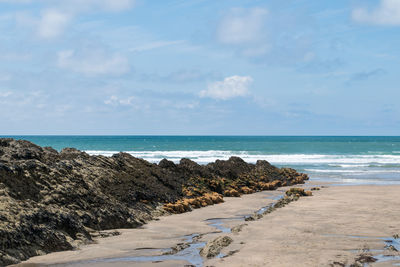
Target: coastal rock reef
{"points": [[52, 201]]}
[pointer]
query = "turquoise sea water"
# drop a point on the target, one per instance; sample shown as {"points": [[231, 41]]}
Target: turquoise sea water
{"points": [[351, 159]]}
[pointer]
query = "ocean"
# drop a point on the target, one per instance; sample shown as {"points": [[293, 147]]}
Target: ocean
{"points": [[338, 159]]}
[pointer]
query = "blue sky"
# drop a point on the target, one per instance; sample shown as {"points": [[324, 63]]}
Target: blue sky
{"points": [[202, 67]]}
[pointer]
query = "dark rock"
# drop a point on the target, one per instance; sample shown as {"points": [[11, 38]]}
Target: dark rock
{"points": [[177, 248], [337, 263], [391, 248], [253, 217], [167, 164], [214, 247], [365, 258], [52, 201], [230, 168], [300, 192]]}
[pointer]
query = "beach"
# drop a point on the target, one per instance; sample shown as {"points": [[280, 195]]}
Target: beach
{"points": [[54, 201], [199, 133], [331, 228], [68, 207]]}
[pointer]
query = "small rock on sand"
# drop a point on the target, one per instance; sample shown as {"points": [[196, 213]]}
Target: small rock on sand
{"points": [[238, 228], [214, 247]]}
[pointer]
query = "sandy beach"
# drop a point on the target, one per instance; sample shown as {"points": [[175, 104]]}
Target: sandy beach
{"points": [[331, 228]]}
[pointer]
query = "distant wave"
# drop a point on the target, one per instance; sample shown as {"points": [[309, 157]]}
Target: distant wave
{"points": [[358, 181], [352, 165], [352, 171], [345, 161], [372, 165], [198, 156]]}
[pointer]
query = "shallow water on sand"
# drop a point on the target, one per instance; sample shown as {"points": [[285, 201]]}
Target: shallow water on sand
{"points": [[192, 244]]}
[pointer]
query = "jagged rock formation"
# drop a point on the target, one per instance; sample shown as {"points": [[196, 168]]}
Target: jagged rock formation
{"points": [[52, 201]]}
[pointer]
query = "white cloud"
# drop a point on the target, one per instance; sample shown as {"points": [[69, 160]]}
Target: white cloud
{"points": [[230, 87], [54, 19], [116, 101], [32, 98], [52, 23], [387, 13], [93, 62], [265, 37], [5, 94], [242, 26]]}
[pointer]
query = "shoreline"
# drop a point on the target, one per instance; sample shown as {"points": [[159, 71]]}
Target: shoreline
{"points": [[330, 227], [55, 201]]}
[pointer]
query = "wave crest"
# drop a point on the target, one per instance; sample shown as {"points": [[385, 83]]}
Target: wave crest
{"points": [[345, 161]]}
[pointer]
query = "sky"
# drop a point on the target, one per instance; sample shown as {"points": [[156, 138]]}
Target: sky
{"points": [[199, 67]]}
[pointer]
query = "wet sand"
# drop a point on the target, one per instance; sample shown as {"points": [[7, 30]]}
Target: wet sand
{"points": [[333, 226]]}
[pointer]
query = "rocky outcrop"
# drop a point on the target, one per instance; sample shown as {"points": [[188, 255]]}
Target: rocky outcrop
{"points": [[299, 192], [52, 201], [214, 247]]}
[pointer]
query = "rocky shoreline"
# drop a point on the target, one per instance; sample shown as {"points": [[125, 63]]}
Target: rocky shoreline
{"points": [[52, 201]]}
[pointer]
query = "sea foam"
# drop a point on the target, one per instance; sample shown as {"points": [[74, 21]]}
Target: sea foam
{"points": [[345, 161]]}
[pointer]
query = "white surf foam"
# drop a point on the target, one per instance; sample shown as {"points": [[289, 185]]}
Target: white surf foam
{"points": [[352, 171], [349, 165], [345, 161]]}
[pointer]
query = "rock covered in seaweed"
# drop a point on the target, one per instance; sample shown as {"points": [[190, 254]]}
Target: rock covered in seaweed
{"points": [[52, 201], [299, 192]]}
